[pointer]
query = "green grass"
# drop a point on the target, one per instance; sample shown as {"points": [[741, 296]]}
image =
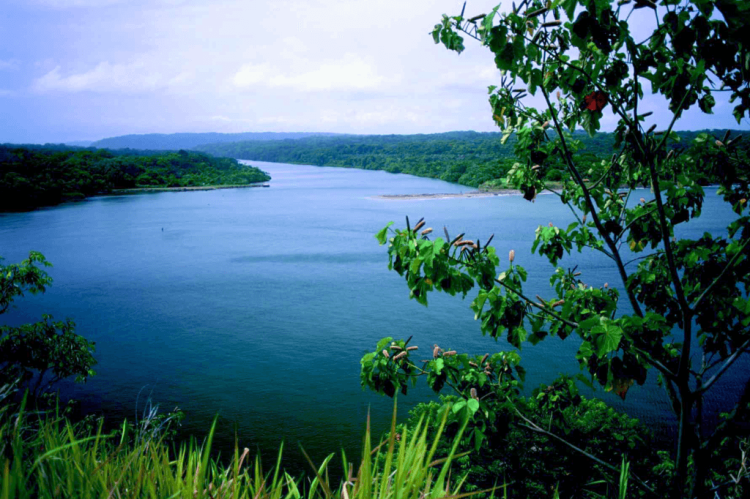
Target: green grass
{"points": [[46, 456]]}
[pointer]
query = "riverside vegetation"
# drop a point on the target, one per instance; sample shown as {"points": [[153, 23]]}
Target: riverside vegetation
{"points": [[681, 308], [468, 158], [34, 176]]}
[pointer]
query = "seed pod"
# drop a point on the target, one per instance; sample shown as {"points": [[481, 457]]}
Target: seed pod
{"points": [[466, 242], [670, 154], [435, 352], [540, 299], [643, 200], [472, 364], [551, 224], [410, 349], [519, 90], [719, 143], [551, 24], [473, 393], [484, 358], [426, 231], [449, 353], [396, 347], [419, 225], [576, 274], [385, 354], [512, 255], [558, 95], [535, 167], [558, 303], [537, 13], [546, 123], [726, 136], [584, 219], [402, 354], [653, 127], [644, 115], [536, 36]]}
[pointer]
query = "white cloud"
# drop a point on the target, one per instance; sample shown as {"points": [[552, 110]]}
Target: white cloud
{"points": [[105, 77], [68, 4], [348, 73], [8, 65]]}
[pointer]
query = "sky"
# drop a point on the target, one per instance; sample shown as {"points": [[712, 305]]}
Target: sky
{"points": [[89, 69]]}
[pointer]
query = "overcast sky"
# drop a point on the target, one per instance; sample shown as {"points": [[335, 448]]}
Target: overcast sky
{"points": [[89, 69]]}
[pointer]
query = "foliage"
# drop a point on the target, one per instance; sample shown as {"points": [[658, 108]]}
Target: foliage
{"points": [[41, 176], [686, 312], [534, 465], [49, 457], [467, 158], [48, 351]]}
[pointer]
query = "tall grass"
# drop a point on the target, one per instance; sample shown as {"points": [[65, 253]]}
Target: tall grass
{"points": [[45, 456]]}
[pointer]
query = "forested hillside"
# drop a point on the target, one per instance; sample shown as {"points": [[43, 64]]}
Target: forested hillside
{"points": [[33, 176], [176, 141], [468, 158]]}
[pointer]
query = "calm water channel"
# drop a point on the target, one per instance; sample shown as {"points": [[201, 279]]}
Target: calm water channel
{"points": [[257, 304]]}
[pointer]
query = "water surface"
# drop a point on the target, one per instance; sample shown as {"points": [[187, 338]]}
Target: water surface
{"points": [[257, 304]]}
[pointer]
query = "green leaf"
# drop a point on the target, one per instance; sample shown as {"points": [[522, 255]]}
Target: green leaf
{"points": [[458, 406], [381, 236], [473, 405], [606, 338]]}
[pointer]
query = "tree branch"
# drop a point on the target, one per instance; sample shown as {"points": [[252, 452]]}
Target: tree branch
{"points": [[537, 429], [729, 265], [590, 203], [727, 364]]}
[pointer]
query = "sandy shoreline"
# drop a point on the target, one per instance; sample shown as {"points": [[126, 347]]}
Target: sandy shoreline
{"points": [[471, 194], [140, 190]]}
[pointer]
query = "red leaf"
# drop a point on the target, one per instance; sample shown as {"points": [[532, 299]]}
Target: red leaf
{"points": [[595, 101]]}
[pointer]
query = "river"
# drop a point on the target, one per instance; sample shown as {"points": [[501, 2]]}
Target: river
{"points": [[257, 304]]}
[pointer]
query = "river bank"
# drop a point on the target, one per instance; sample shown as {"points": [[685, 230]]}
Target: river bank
{"points": [[141, 190]]}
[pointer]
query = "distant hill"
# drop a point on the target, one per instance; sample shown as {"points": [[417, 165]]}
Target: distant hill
{"points": [[177, 141], [80, 143]]}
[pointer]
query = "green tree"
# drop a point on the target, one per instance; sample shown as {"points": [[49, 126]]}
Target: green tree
{"points": [[681, 307], [40, 354]]}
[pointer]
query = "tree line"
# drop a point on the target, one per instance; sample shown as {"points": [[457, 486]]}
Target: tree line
{"points": [[34, 176], [466, 158]]}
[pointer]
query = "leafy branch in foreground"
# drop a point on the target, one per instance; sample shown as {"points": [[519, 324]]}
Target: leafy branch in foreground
{"points": [[685, 311], [38, 355]]}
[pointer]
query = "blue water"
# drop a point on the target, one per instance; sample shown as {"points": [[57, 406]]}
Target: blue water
{"points": [[257, 304]]}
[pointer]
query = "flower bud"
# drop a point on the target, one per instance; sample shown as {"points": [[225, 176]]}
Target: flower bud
{"points": [[512, 255]]}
